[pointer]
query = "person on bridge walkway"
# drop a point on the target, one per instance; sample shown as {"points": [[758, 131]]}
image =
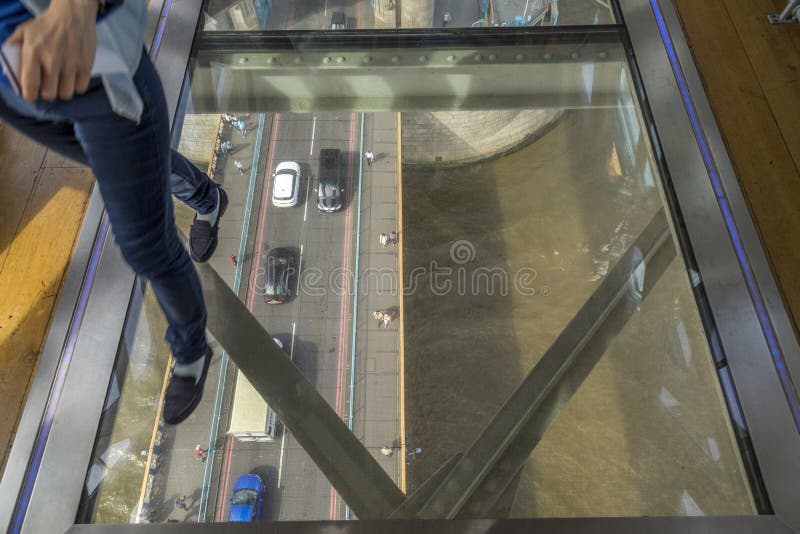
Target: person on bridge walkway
{"points": [[180, 503], [394, 238], [370, 157], [383, 239], [446, 19], [387, 451], [118, 124], [239, 165], [242, 127], [200, 454]]}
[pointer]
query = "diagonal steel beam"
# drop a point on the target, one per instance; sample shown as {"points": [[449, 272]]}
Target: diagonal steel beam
{"points": [[416, 500], [481, 502], [507, 441], [347, 464]]}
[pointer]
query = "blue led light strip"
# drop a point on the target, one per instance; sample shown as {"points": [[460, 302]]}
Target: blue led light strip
{"points": [[58, 383], [724, 206]]}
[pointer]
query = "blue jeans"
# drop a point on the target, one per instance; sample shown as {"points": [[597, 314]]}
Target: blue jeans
{"points": [[136, 172]]}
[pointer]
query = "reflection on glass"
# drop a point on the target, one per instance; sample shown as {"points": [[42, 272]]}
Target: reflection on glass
{"points": [[487, 266], [335, 15]]}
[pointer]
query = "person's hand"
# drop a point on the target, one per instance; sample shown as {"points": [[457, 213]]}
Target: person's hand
{"points": [[57, 50]]}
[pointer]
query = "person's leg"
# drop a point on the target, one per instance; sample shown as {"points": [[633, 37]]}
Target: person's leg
{"points": [[132, 165], [188, 183], [195, 189], [192, 186], [58, 136]]}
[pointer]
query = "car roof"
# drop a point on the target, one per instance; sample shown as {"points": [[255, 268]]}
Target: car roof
{"points": [[284, 185], [329, 179]]}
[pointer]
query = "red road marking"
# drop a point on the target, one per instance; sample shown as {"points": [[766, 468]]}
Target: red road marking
{"points": [[263, 212], [346, 291], [226, 463], [226, 468]]}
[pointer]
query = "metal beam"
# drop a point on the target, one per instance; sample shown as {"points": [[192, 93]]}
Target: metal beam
{"points": [[594, 525], [347, 464], [496, 456], [789, 15], [465, 71]]}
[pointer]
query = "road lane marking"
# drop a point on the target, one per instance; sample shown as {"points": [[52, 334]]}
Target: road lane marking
{"points": [[346, 288], [285, 430], [226, 471], [355, 291], [313, 133], [280, 461], [299, 267], [263, 212], [401, 326], [291, 349], [308, 187]]}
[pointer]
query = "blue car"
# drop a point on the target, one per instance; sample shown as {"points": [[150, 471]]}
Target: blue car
{"points": [[247, 503]]}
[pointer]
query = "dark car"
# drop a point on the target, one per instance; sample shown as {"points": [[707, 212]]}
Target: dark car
{"points": [[338, 21], [329, 194], [247, 503], [277, 277]]}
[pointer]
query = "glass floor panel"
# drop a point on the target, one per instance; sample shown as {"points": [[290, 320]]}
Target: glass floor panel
{"points": [[489, 277], [335, 15]]}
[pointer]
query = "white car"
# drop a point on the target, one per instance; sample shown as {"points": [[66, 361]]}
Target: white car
{"points": [[286, 184]]}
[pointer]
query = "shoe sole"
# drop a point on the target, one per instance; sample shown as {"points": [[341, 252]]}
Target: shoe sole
{"points": [[223, 205], [181, 417]]}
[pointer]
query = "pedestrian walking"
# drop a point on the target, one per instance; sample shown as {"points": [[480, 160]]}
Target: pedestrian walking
{"points": [[118, 124], [383, 239], [234, 260], [446, 18], [394, 238], [239, 165], [242, 127], [228, 146], [370, 157], [180, 503], [387, 319], [199, 454], [387, 451], [378, 316]]}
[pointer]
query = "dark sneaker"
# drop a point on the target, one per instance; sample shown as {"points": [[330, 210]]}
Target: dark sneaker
{"points": [[203, 236], [183, 394]]}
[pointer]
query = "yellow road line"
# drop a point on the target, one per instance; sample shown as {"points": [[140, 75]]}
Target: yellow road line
{"points": [[153, 439], [401, 283], [214, 145]]}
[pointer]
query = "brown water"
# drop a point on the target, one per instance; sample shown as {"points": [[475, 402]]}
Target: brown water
{"points": [[647, 433]]}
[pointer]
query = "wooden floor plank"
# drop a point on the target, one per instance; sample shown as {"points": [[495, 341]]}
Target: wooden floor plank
{"points": [[755, 139], [775, 58], [20, 160], [44, 208]]}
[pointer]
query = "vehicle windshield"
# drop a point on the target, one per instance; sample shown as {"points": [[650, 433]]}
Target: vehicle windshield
{"points": [[329, 190], [245, 496]]}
